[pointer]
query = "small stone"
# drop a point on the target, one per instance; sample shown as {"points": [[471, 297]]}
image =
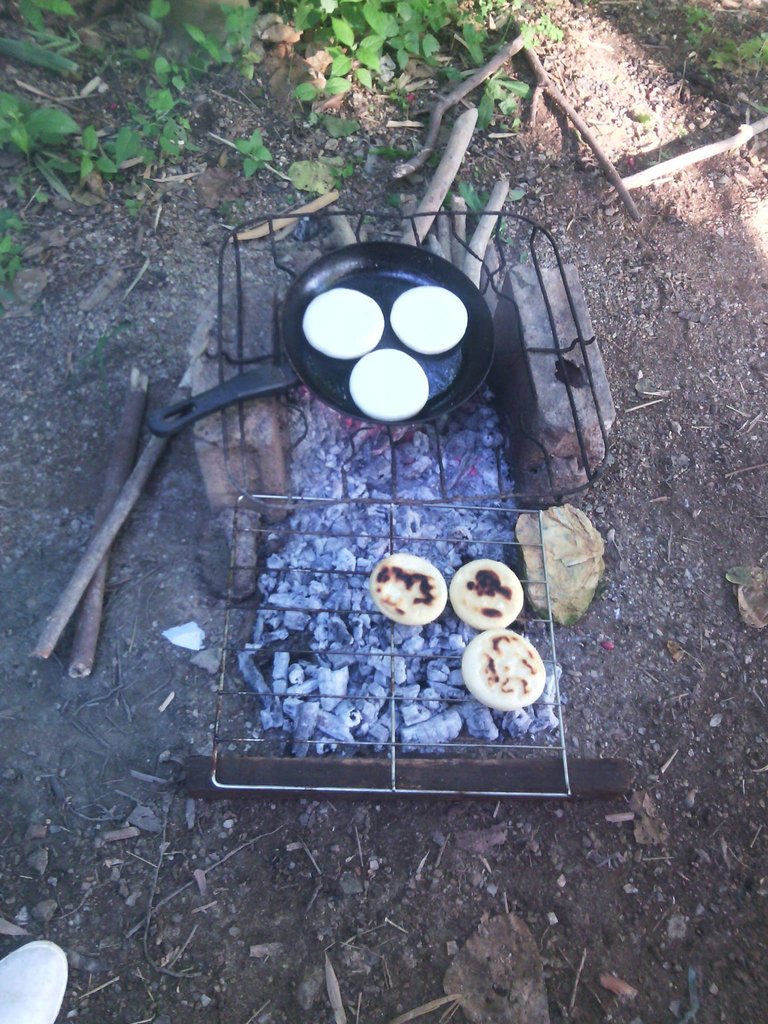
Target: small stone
{"points": [[308, 989], [38, 860], [492, 889], [552, 919], [561, 882], [228, 823], [630, 890], [29, 284], [209, 660], [677, 926], [205, 1000], [351, 884], [452, 948], [36, 831], [44, 910], [373, 864]]}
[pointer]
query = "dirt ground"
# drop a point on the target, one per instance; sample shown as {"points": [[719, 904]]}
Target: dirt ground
{"points": [[388, 888]]}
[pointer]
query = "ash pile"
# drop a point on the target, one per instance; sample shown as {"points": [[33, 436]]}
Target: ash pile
{"points": [[333, 675]]}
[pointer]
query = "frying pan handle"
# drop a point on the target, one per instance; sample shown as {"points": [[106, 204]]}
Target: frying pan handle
{"points": [[268, 379]]}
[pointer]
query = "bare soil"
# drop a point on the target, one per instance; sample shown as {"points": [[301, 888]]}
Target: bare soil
{"points": [[386, 888]]}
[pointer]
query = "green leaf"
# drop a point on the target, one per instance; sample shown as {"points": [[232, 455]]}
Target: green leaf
{"points": [[127, 144], [334, 86], [28, 53], [106, 166], [342, 65], [340, 127], [429, 45], [371, 58], [56, 7], [473, 38], [343, 31], [312, 176], [158, 9], [363, 76], [485, 110], [162, 66], [19, 136], [52, 178], [383, 24], [515, 194], [741, 575], [521, 89], [305, 92], [90, 138], [250, 167], [86, 166], [50, 125], [161, 101]]}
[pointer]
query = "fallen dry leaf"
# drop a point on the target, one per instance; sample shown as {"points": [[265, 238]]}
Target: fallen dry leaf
{"points": [[618, 986], [481, 840], [649, 829], [217, 185], [575, 566], [334, 993], [9, 928], [752, 597], [264, 949], [676, 652], [499, 976]]}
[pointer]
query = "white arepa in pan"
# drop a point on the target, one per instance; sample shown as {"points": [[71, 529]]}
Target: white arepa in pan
{"points": [[389, 385], [343, 323], [429, 319]]}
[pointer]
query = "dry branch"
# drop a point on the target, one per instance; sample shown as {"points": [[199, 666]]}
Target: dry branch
{"points": [[101, 541], [262, 230], [419, 225], [456, 95], [121, 460], [473, 259], [677, 163], [557, 97]]}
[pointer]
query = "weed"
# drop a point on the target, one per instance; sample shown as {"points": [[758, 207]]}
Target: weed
{"points": [[11, 228], [255, 154]]}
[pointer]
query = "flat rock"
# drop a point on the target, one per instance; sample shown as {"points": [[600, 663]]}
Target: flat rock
{"points": [[498, 974]]}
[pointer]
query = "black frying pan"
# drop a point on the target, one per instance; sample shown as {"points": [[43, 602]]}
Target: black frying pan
{"points": [[382, 270]]}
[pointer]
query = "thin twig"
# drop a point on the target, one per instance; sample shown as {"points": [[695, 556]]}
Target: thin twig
{"points": [[577, 979], [557, 97], [746, 469], [192, 881]]}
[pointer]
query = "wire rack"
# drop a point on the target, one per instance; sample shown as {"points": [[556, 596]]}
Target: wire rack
{"points": [[249, 758]]}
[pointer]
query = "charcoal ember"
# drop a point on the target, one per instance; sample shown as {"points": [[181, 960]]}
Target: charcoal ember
{"points": [[435, 731], [334, 726], [272, 718], [479, 722], [304, 727], [333, 686], [414, 713]]}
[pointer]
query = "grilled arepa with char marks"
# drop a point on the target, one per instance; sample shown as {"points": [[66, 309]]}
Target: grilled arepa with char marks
{"points": [[408, 589], [486, 594], [503, 670]]}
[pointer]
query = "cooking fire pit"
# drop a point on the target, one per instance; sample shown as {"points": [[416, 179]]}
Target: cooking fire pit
{"points": [[317, 692]]}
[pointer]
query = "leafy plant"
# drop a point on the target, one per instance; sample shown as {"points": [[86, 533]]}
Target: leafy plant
{"points": [[31, 128], [255, 154], [33, 11], [10, 253], [503, 94]]}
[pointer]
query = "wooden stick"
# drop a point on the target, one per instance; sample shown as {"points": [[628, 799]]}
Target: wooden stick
{"points": [[97, 548], [121, 460], [459, 233], [262, 230], [557, 97], [455, 149], [445, 103], [677, 163], [473, 260]]}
